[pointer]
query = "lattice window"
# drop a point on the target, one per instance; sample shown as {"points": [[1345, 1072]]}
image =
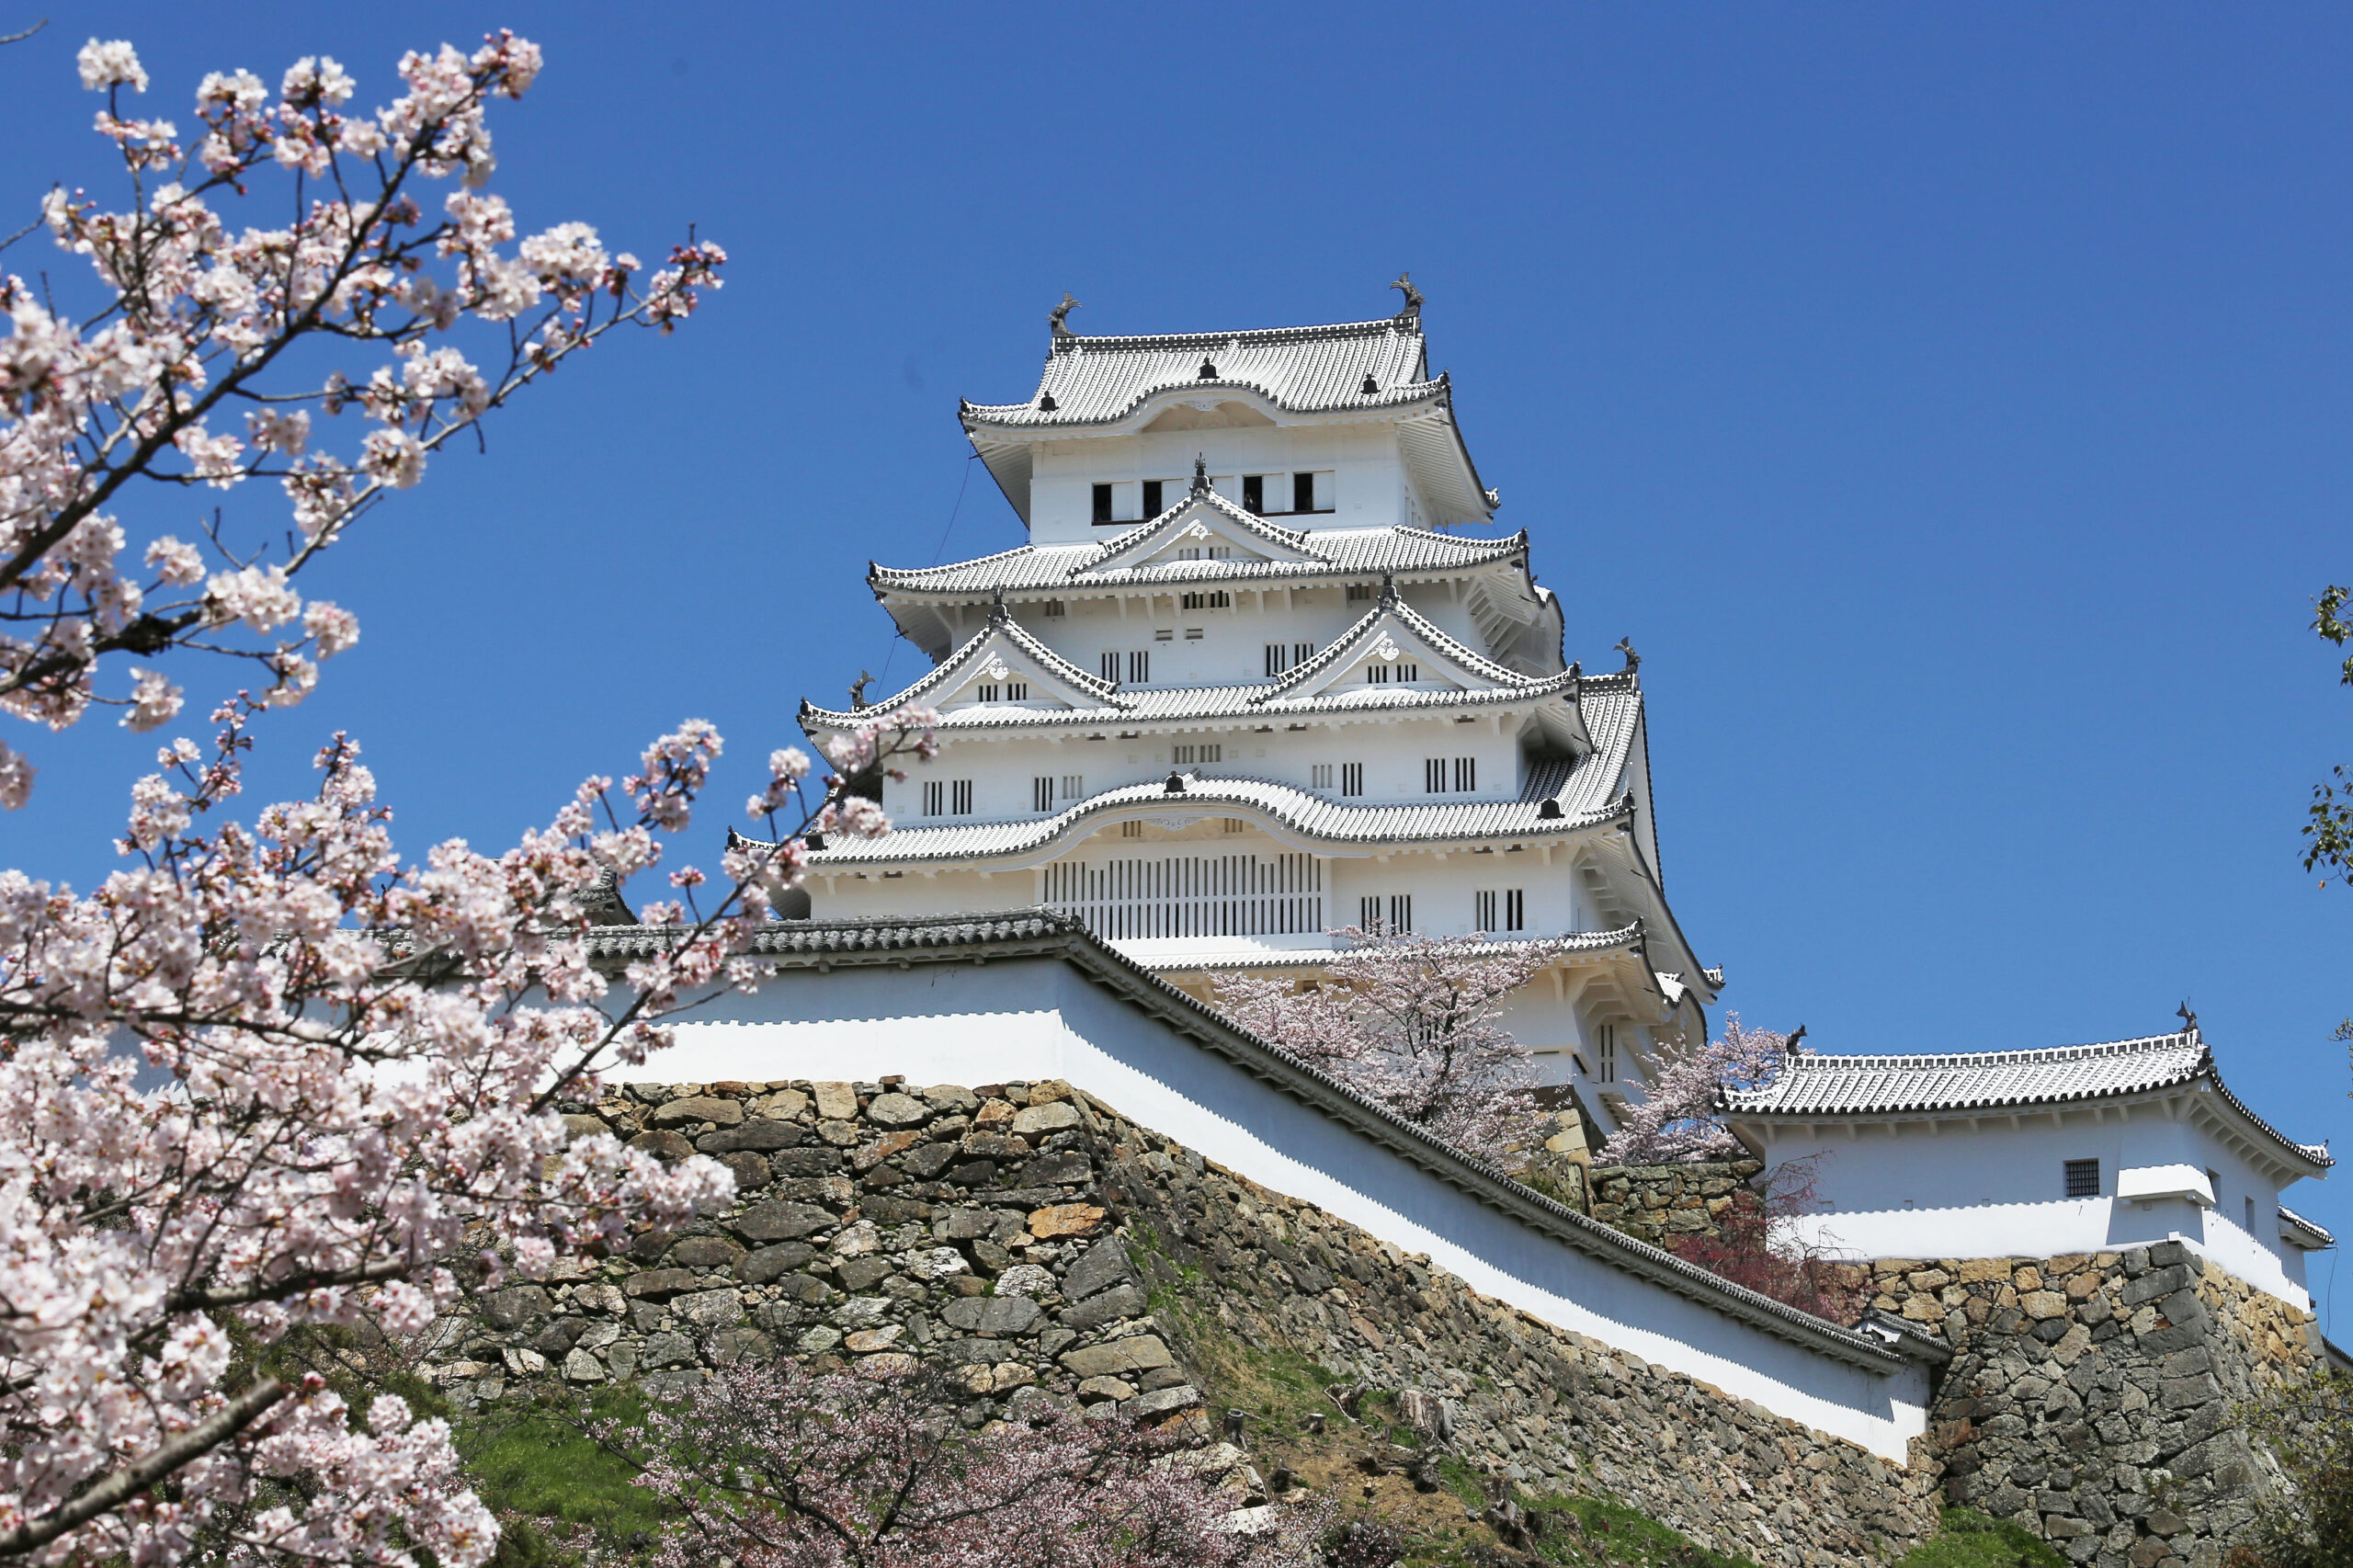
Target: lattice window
{"points": [[1352, 779], [1136, 898], [2083, 1178], [1041, 793]]}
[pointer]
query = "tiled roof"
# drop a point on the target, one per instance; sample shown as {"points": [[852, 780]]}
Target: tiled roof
{"points": [[1253, 700], [1622, 938], [1343, 552], [1304, 813], [2318, 1236], [1302, 370], [1825, 1086]]}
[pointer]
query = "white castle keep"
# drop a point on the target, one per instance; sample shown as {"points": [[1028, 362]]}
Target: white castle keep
{"points": [[1241, 686]]}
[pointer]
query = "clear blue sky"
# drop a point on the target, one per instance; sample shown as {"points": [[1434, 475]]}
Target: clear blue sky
{"points": [[1951, 402]]}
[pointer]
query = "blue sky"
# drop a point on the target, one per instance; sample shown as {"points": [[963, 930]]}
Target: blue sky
{"points": [[1951, 403]]}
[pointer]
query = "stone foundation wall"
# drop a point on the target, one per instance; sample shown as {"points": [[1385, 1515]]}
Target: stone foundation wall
{"points": [[2090, 1398], [1036, 1247], [1658, 1203]]}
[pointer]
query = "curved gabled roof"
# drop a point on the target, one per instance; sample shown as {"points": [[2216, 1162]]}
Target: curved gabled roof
{"points": [[1392, 607], [1306, 815], [1824, 1088], [1301, 369], [1338, 553]]}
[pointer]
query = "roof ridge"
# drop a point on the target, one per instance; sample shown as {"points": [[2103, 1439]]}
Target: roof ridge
{"points": [[1816, 1060], [1077, 342]]}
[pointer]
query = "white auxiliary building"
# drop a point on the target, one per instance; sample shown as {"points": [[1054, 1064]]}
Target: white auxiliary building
{"points": [[2037, 1154], [1240, 689]]}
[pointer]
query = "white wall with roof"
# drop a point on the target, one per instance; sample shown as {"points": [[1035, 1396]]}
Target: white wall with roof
{"points": [[1031, 1018]]}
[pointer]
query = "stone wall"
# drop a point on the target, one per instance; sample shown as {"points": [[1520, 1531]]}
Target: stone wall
{"points": [[1658, 1203], [2090, 1398], [1036, 1247]]}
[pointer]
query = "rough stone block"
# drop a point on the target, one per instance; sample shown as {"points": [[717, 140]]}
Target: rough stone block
{"points": [[1136, 1353], [701, 1108], [772, 1262], [515, 1305], [779, 1221], [992, 1315], [897, 1110], [710, 1309], [1064, 1219], [1043, 1118], [1182, 1396], [836, 1102], [664, 1145], [1121, 1302]]}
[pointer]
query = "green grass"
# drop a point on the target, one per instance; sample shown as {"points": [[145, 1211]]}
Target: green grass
{"points": [[536, 1463], [1967, 1539]]}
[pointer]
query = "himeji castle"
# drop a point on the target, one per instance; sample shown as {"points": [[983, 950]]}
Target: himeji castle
{"points": [[1245, 685]]}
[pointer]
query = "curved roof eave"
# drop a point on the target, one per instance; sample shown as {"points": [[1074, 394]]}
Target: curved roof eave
{"points": [[1002, 422], [1024, 844]]}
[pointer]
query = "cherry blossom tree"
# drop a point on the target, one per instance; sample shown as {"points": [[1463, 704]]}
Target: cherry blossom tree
{"points": [[1411, 1022], [213, 346], [774, 1467], [1765, 1242], [1677, 1118], [269, 1081]]}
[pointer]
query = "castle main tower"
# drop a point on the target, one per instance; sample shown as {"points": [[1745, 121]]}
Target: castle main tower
{"points": [[1242, 687]]}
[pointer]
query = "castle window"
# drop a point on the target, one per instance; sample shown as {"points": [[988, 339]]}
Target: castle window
{"points": [[1359, 592], [2250, 1216], [1435, 772], [1510, 902], [1302, 493], [1606, 1052], [1352, 779], [986, 693], [943, 797], [1041, 793], [1138, 666], [1211, 752], [1192, 634], [1221, 552], [2083, 1178], [1055, 608], [1214, 599], [1466, 771], [1153, 506], [1285, 657], [1010, 692], [1190, 553], [1074, 786], [1167, 634], [1322, 775], [1253, 493], [1403, 672], [1235, 824], [1102, 503], [1132, 829], [1393, 913]]}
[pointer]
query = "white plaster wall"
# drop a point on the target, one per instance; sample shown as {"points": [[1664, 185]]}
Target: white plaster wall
{"points": [[1939, 1189], [1363, 460], [1037, 1019]]}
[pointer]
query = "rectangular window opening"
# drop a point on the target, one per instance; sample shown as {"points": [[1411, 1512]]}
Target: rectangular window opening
{"points": [[1139, 667], [1466, 775], [1074, 786], [960, 795], [1515, 909], [1320, 776], [935, 797], [1352, 779], [1132, 829], [1192, 634], [1253, 493], [1235, 824], [1359, 592], [1482, 911], [1606, 1052], [1111, 668], [1153, 506], [1041, 793], [2083, 1178], [1434, 776], [1055, 608], [1102, 503], [1302, 493]]}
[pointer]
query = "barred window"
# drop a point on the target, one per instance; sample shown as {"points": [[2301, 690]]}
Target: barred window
{"points": [[1041, 793], [959, 796], [2083, 1178], [1352, 779]]}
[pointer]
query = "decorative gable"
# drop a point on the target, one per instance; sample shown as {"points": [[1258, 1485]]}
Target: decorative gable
{"points": [[1204, 526], [1390, 648]]}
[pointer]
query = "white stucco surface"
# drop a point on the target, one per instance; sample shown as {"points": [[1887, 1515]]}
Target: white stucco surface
{"points": [[1031, 1018]]}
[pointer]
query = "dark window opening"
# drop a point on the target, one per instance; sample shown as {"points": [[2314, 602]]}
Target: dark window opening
{"points": [[1253, 493], [1102, 503], [2083, 1178], [1302, 493], [1152, 507]]}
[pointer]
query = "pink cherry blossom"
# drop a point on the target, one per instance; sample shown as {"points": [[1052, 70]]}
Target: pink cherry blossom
{"points": [[1677, 1118], [1410, 1022], [214, 270]]}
